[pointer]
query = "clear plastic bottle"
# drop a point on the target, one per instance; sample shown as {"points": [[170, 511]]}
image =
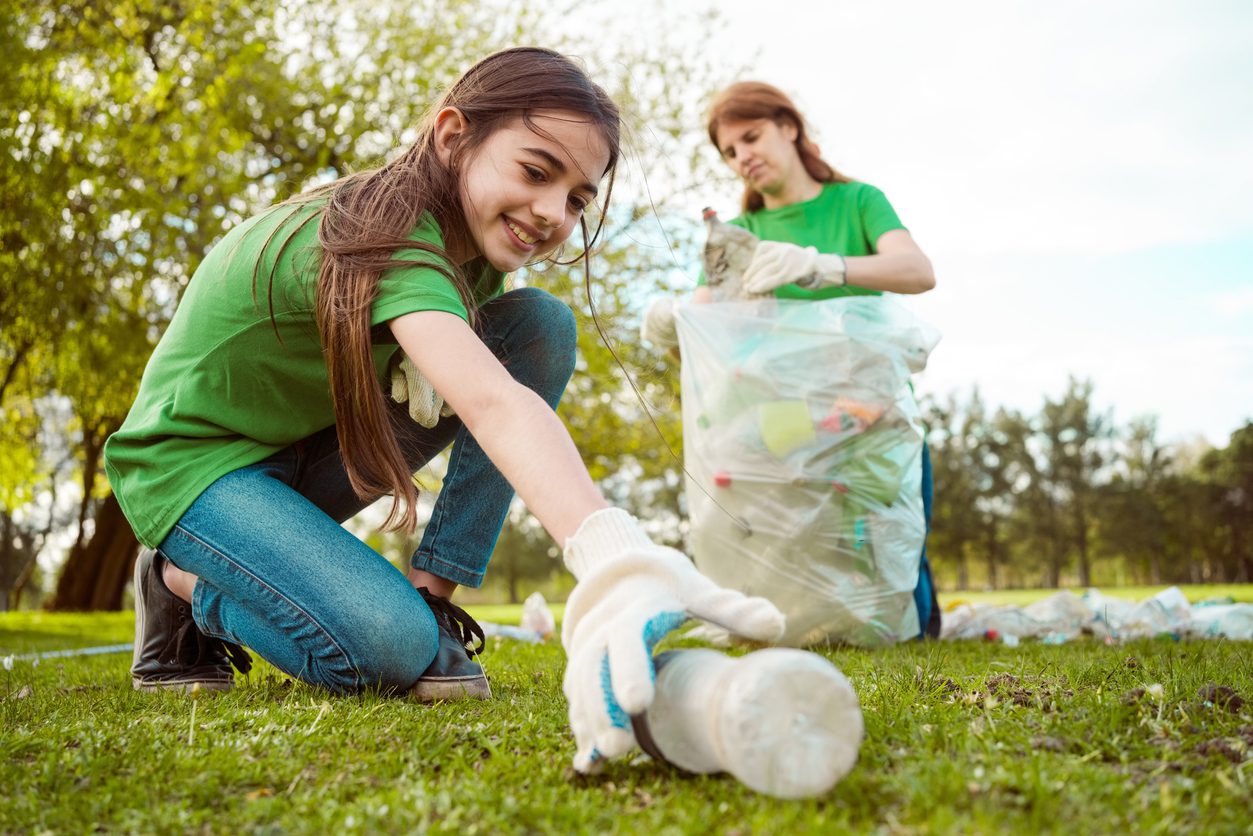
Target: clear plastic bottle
{"points": [[727, 254], [784, 722]]}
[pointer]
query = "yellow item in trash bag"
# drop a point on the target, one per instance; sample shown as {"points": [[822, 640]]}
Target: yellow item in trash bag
{"points": [[785, 426]]}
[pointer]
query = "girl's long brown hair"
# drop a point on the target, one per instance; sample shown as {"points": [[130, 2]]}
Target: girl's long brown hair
{"points": [[746, 100], [368, 216]]}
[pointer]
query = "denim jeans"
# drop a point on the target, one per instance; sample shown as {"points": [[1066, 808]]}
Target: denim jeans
{"points": [[279, 574], [925, 594]]}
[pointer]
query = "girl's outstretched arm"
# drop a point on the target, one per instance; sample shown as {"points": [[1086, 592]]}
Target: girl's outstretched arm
{"points": [[519, 432], [630, 591]]}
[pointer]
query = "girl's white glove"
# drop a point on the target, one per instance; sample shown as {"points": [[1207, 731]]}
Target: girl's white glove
{"points": [[410, 385], [630, 594], [776, 263], [658, 326]]}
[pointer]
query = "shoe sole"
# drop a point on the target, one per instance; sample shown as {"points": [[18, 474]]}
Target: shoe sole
{"points": [[140, 607], [434, 690], [183, 687], [139, 683]]}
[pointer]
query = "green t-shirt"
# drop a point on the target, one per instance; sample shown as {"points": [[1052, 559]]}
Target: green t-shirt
{"points": [[845, 218], [227, 386]]}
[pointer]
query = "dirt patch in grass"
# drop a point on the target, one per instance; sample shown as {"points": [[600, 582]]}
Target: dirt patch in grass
{"points": [[1227, 748], [1221, 696]]}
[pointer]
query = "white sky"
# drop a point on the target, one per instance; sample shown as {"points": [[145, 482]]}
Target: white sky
{"points": [[1081, 174]]}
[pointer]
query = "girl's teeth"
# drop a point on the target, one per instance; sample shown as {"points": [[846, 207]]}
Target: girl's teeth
{"points": [[526, 239]]}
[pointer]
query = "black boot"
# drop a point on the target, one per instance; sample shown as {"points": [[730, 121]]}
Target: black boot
{"points": [[170, 651], [454, 675]]}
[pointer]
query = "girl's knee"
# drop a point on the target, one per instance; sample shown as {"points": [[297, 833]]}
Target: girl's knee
{"points": [[549, 318], [553, 313], [394, 650], [541, 337]]}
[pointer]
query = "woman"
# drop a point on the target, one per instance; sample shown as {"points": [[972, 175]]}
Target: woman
{"points": [[823, 235]]}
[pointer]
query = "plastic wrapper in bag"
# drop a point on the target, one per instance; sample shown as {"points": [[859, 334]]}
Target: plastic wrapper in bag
{"points": [[803, 445]]}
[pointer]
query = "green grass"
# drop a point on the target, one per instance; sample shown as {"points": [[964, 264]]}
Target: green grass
{"points": [[961, 737]]}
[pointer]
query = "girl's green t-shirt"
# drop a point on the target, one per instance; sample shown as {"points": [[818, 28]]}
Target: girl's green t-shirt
{"points": [[238, 374], [845, 218]]}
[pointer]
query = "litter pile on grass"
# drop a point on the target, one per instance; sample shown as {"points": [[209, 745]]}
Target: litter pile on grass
{"points": [[1065, 616]]}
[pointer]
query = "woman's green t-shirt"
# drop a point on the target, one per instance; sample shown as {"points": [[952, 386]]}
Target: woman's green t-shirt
{"points": [[845, 218]]}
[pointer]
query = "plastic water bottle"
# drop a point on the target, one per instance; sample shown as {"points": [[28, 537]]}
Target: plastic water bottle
{"points": [[784, 722], [727, 254]]}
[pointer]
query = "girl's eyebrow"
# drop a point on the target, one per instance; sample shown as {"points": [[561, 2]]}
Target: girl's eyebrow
{"points": [[560, 166]]}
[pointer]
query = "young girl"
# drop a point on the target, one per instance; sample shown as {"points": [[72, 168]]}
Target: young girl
{"points": [[823, 235], [261, 423]]}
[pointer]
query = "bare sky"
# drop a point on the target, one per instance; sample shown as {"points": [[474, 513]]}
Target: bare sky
{"points": [[1081, 173]]}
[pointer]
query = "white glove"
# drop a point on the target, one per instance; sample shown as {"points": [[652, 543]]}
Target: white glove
{"points": [[776, 263], [408, 384], [658, 326], [631, 593]]}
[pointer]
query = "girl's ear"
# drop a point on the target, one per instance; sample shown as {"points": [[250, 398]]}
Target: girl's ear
{"points": [[450, 129]]}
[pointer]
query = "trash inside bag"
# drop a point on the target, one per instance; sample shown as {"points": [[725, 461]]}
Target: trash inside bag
{"points": [[803, 445]]}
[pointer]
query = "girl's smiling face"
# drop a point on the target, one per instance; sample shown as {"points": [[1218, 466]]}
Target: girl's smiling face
{"points": [[525, 188]]}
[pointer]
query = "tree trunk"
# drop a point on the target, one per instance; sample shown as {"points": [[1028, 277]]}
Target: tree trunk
{"points": [[1056, 558], [96, 573], [20, 586], [19, 548], [963, 579], [993, 549], [513, 587], [1081, 540]]}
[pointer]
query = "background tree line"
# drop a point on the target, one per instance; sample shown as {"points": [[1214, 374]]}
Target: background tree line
{"points": [[134, 134], [1065, 496]]}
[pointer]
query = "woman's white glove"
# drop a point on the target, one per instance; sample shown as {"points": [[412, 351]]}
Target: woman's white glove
{"points": [[776, 263], [410, 385], [658, 326], [630, 594]]}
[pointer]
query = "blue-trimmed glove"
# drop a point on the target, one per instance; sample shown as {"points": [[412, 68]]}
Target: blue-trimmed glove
{"points": [[630, 594]]}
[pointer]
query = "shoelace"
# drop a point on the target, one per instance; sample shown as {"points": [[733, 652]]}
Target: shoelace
{"points": [[459, 622], [208, 649]]}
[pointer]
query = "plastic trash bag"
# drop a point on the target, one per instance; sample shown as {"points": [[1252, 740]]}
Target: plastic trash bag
{"points": [[1058, 618], [803, 445], [1232, 621]]}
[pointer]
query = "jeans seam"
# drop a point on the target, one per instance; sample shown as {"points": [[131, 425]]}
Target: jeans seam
{"points": [[436, 522], [283, 598]]}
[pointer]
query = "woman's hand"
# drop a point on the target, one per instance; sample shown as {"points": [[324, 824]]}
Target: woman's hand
{"points": [[776, 263], [897, 266]]}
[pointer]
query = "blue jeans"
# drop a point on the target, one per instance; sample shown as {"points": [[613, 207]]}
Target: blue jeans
{"points": [[924, 594], [279, 574]]}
